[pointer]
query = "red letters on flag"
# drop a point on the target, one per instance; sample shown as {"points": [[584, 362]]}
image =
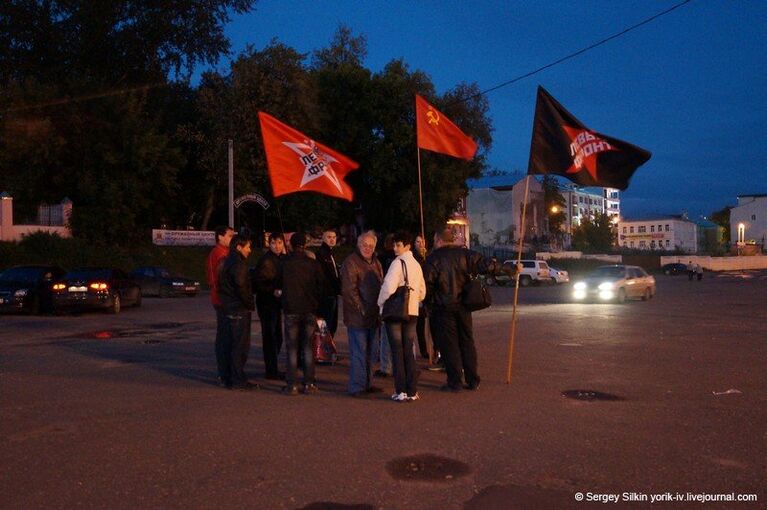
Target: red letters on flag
{"points": [[437, 133], [298, 163]]}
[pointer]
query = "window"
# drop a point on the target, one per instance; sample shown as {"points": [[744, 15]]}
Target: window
{"points": [[642, 229], [666, 227], [652, 228], [631, 230], [652, 244], [668, 244], [624, 230], [753, 217], [659, 228], [580, 199], [642, 244], [632, 243]]}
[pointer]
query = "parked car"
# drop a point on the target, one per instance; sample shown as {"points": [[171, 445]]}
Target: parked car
{"points": [[559, 275], [533, 271], [28, 288], [158, 281], [615, 283], [674, 268], [501, 275], [95, 288]]}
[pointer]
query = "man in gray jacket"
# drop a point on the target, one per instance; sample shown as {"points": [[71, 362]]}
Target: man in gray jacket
{"points": [[361, 277]]}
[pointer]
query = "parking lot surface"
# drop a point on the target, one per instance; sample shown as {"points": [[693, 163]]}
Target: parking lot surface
{"points": [[643, 398]]}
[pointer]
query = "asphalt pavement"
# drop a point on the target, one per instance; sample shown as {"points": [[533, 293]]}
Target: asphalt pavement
{"points": [[657, 400]]}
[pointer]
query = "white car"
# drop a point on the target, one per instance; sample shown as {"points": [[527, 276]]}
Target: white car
{"points": [[533, 271], [559, 275]]}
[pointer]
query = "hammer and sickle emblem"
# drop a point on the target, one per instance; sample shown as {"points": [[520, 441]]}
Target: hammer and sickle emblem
{"points": [[433, 117]]}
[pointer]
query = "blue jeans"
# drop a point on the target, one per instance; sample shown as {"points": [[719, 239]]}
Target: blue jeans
{"points": [[402, 337], [299, 331], [382, 352], [361, 344]]}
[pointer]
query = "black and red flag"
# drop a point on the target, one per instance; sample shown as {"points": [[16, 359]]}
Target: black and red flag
{"points": [[562, 145]]}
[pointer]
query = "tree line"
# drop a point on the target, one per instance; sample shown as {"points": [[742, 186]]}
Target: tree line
{"points": [[97, 104]]}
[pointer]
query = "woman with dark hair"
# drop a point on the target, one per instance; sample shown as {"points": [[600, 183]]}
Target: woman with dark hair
{"points": [[404, 270]]}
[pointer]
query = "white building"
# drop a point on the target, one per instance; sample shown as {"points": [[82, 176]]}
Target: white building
{"points": [[748, 220], [494, 209], [52, 219], [589, 202], [662, 233]]}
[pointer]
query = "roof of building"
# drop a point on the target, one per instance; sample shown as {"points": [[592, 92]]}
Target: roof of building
{"points": [[758, 195], [498, 182], [667, 217]]}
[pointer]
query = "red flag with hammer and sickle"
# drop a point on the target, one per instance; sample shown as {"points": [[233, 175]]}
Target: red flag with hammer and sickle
{"points": [[437, 133], [298, 163]]}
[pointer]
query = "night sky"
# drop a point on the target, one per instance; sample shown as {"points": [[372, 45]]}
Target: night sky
{"points": [[690, 86]]}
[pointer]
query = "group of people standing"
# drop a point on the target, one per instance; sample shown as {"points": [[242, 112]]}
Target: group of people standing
{"points": [[694, 270], [292, 291]]}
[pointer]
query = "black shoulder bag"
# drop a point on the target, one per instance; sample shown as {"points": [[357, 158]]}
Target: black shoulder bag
{"points": [[475, 295], [395, 309]]}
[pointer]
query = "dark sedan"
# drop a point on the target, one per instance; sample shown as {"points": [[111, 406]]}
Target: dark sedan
{"points": [[158, 281], [96, 288], [674, 269], [28, 288]]}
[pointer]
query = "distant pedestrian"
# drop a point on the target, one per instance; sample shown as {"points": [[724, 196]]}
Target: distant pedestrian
{"points": [[219, 252], [265, 284], [303, 287], [690, 270], [404, 270], [699, 271], [448, 269], [326, 257], [361, 277], [237, 303]]}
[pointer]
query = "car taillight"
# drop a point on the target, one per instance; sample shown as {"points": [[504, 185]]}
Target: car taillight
{"points": [[99, 286], [59, 286]]}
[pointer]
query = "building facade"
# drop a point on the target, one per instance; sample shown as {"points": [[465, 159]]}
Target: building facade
{"points": [[51, 219], [494, 210], [748, 221], [583, 203], [661, 233]]}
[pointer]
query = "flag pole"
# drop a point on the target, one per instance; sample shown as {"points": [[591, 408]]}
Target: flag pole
{"points": [[423, 236], [516, 281]]}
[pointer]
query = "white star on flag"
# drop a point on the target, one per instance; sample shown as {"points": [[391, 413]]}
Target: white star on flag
{"points": [[316, 163]]}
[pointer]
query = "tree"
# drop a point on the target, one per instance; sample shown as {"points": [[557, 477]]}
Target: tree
{"points": [[722, 218], [555, 204], [82, 90], [594, 235]]}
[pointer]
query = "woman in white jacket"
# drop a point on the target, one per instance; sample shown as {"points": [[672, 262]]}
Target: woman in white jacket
{"points": [[402, 335]]}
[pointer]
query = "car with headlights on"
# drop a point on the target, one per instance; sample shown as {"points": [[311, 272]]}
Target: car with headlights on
{"points": [[90, 288], [28, 288], [158, 281], [615, 283]]}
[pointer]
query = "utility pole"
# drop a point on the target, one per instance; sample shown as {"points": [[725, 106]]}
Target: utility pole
{"points": [[231, 183]]}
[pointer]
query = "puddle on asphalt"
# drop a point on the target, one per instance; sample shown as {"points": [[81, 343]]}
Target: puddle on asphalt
{"points": [[591, 395], [426, 468]]}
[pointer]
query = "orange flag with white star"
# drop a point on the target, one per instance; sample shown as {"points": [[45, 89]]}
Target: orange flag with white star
{"points": [[298, 163], [437, 133]]}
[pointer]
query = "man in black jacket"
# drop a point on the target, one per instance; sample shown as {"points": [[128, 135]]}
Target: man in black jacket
{"points": [[236, 295], [265, 276], [326, 257], [448, 269], [303, 287]]}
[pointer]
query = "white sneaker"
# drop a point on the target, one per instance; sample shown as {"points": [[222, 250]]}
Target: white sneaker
{"points": [[399, 397], [414, 398]]}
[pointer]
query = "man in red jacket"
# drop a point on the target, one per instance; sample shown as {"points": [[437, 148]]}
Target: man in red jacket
{"points": [[217, 255]]}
